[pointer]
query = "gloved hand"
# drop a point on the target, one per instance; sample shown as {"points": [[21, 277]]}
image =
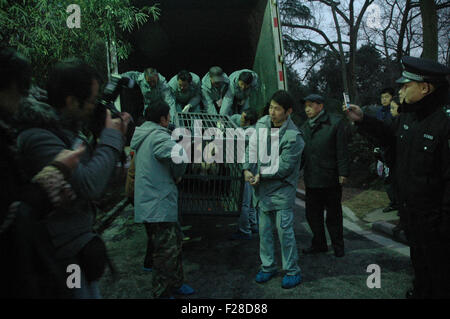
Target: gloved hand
{"points": [[186, 108]]}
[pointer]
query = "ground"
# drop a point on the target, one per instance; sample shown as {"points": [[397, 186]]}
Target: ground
{"points": [[219, 268]]}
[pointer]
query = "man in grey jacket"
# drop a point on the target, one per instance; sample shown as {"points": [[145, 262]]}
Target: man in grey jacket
{"points": [[154, 87], [160, 164], [73, 89], [242, 84], [214, 87], [186, 90], [275, 186]]}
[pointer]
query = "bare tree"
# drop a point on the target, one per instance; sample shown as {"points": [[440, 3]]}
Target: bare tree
{"points": [[430, 36], [347, 23], [404, 32]]}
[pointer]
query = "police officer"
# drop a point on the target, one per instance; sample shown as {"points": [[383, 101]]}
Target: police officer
{"points": [[420, 141]]}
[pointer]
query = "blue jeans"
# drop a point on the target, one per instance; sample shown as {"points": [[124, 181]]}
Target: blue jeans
{"points": [[248, 217], [284, 222]]}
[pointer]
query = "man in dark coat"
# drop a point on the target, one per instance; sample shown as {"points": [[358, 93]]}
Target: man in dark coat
{"points": [[419, 139], [27, 269], [326, 168], [73, 89]]}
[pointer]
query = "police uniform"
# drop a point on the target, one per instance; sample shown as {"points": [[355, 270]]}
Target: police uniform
{"points": [[419, 139]]}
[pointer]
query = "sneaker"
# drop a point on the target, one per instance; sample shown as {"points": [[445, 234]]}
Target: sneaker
{"points": [[263, 276], [240, 236], [185, 289], [291, 281]]}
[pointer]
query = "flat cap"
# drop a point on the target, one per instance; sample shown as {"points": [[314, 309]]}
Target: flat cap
{"points": [[314, 98], [422, 70]]}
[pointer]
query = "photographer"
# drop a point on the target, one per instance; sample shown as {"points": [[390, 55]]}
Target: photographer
{"points": [[26, 268], [73, 89]]}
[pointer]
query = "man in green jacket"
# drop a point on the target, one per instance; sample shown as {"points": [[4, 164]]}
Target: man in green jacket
{"points": [[275, 184], [325, 170], [154, 87], [237, 98], [214, 87], [159, 167], [186, 89]]}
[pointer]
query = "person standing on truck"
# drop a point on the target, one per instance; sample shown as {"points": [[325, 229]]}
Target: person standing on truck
{"points": [[186, 90], [156, 198], [153, 87], [242, 84], [326, 167], [275, 189], [214, 87]]}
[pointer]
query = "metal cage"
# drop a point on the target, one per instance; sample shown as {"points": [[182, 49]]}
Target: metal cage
{"points": [[210, 189]]}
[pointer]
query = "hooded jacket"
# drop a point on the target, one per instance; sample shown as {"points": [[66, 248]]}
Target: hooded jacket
{"points": [[41, 139], [156, 194]]}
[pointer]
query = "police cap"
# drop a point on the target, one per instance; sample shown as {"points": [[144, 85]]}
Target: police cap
{"points": [[422, 70]]}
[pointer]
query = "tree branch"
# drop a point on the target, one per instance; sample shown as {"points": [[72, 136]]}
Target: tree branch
{"points": [[324, 36]]}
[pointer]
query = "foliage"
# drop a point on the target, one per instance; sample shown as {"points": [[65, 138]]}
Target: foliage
{"points": [[372, 73], [38, 29]]}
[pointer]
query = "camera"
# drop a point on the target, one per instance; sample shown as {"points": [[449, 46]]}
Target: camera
{"points": [[106, 102], [112, 91]]}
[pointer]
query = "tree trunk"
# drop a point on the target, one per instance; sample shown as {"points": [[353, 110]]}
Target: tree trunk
{"points": [[403, 28], [341, 52], [429, 23]]}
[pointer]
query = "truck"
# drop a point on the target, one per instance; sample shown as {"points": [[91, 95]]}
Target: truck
{"points": [[195, 35]]}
